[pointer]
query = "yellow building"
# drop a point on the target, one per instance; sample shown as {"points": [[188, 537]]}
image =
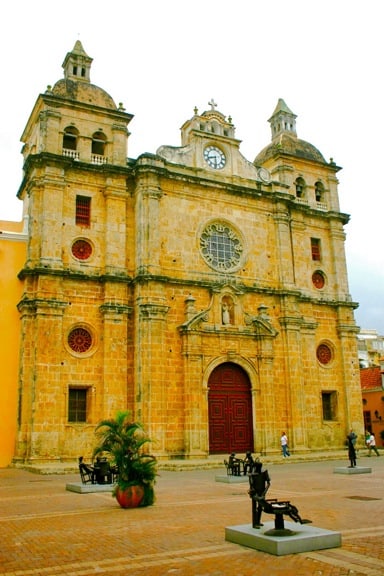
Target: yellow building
{"points": [[13, 244], [206, 293]]}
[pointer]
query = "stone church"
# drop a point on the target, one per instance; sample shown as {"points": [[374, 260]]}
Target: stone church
{"points": [[206, 293]]}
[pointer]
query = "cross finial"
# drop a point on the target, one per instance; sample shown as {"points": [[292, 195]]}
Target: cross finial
{"points": [[212, 104]]}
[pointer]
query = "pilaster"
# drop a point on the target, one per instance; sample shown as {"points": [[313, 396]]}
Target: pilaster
{"points": [[151, 382], [284, 246], [116, 361]]}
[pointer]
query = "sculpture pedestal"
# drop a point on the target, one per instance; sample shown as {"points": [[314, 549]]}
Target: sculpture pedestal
{"points": [[301, 538], [355, 470], [88, 488], [228, 479]]}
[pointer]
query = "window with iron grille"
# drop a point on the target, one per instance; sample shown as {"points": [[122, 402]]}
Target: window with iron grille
{"points": [[83, 210], [315, 249], [77, 405]]}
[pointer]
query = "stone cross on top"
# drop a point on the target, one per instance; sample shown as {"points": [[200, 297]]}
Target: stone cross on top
{"points": [[212, 104]]}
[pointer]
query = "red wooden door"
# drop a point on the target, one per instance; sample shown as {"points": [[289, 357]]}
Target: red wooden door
{"points": [[230, 410]]}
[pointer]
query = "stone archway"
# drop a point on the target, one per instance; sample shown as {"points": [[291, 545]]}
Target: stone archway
{"points": [[229, 410]]}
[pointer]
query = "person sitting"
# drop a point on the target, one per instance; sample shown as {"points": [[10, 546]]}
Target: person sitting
{"points": [[103, 472], [234, 464], [87, 472], [248, 463]]}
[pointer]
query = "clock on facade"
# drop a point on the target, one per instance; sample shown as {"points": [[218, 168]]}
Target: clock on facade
{"points": [[214, 157], [221, 247]]}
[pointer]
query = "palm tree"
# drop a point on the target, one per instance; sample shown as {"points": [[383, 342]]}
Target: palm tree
{"points": [[125, 442]]}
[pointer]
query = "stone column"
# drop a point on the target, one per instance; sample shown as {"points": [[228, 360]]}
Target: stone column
{"points": [[350, 372], [116, 362], [338, 260], [148, 194], [293, 417], [284, 246], [115, 227], [150, 370], [41, 399], [195, 398]]}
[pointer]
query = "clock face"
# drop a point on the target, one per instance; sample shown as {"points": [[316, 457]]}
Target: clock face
{"points": [[221, 247], [214, 157]]}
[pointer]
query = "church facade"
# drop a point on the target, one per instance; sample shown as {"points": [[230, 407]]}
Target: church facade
{"points": [[206, 293]]}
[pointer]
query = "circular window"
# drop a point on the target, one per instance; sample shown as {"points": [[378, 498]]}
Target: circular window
{"points": [[221, 247], [318, 279], [80, 340], [324, 354], [81, 249]]}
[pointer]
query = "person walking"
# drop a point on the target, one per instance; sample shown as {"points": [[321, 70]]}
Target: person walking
{"points": [[372, 445], [284, 445]]}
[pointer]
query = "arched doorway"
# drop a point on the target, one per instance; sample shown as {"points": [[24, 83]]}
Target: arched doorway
{"points": [[230, 410]]}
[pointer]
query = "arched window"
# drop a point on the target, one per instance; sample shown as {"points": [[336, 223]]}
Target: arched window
{"points": [[98, 143], [70, 138], [319, 192], [300, 187]]}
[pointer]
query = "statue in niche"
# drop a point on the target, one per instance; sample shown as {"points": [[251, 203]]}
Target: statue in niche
{"points": [[227, 311]]}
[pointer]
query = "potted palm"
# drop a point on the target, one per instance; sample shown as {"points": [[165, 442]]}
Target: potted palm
{"points": [[124, 441]]}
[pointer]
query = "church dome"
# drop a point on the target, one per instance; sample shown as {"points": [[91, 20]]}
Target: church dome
{"points": [[289, 144], [83, 92], [76, 84], [284, 138]]}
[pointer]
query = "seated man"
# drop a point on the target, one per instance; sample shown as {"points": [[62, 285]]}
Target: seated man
{"points": [[103, 472], [259, 482], [87, 472], [248, 463], [234, 464]]}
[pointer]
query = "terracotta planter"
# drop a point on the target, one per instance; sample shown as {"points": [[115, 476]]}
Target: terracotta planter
{"points": [[131, 497]]}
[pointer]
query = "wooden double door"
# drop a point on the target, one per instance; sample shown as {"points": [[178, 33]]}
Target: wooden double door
{"points": [[230, 410]]}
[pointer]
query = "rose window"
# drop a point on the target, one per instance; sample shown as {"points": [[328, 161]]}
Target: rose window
{"points": [[318, 280], [81, 249], [80, 340], [324, 354], [221, 247]]}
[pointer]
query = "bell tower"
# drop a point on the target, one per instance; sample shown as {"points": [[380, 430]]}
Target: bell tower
{"points": [[75, 189], [77, 64]]}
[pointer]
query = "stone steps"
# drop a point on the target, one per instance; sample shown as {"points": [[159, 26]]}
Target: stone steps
{"points": [[210, 463]]}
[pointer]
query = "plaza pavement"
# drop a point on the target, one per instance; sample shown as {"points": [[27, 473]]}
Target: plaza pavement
{"points": [[48, 531]]}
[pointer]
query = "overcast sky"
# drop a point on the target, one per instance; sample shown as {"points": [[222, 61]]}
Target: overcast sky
{"points": [[163, 58]]}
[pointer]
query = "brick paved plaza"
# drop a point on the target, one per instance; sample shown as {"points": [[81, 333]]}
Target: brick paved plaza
{"points": [[49, 531]]}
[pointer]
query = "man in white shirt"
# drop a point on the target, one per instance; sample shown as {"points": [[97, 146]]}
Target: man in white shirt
{"points": [[372, 445], [284, 444]]}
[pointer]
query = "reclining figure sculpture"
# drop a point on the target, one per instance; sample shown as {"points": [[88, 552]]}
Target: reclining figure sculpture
{"points": [[259, 483]]}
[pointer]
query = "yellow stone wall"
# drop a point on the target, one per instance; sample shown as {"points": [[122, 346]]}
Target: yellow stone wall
{"points": [[152, 303], [12, 257], [141, 359]]}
